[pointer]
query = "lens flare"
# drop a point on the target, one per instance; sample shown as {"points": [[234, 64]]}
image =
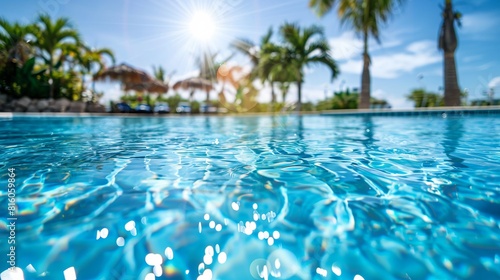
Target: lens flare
{"points": [[202, 26]]}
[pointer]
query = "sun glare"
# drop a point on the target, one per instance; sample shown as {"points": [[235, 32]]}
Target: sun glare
{"points": [[202, 26]]}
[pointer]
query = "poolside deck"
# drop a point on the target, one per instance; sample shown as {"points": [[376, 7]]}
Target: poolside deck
{"points": [[434, 111]]}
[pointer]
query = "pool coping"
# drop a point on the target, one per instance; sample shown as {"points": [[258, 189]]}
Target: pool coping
{"points": [[434, 111]]}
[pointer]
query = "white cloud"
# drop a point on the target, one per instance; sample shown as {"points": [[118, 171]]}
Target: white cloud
{"points": [[309, 70], [437, 72], [313, 94], [485, 66], [420, 46], [397, 102], [400, 103], [348, 45], [495, 82], [479, 25], [112, 92], [417, 54], [380, 94], [472, 58], [391, 43]]}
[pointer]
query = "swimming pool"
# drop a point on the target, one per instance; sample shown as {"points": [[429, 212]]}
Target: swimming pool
{"points": [[283, 197]]}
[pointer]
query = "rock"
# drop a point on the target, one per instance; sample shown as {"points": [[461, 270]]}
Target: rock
{"points": [[95, 108], [3, 98], [77, 107], [6, 107], [19, 109], [24, 102], [42, 104], [61, 105], [52, 108], [32, 109]]}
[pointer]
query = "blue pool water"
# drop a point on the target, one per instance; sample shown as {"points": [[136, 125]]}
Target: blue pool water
{"points": [[313, 197]]}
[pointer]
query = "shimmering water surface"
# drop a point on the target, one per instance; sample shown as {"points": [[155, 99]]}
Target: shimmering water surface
{"points": [[313, 197]]}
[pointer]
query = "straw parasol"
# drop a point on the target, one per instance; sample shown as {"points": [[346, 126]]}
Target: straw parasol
{"points": [[193, 84], [125, 74], [153, 86]]}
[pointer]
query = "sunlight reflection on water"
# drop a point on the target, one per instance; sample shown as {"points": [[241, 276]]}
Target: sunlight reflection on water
{"points": [[255, 197]]}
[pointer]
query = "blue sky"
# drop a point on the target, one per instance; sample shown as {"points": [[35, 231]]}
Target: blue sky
{"points": [[154, 32]]}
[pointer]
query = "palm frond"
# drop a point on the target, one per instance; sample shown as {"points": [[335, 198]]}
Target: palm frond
{"points": [[321, 7]]}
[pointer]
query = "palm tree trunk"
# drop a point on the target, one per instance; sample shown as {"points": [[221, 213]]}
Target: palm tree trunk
{"points": [[448, 43], [51, 79], [83, 88], [364, 97], [283, 95], [299, 87], [191, 94], [93, 89], [273, 97], [451, 89], [208, 97]]}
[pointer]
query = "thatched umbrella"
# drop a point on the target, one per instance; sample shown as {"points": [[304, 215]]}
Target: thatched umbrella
{"points": [[153, 86], [194, 84], [124, 73]]}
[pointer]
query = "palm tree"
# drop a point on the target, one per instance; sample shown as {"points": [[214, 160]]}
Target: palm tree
{"points": [[271, 61], [159, 73], [14, 46], [51, 37], [303, 47], [208, 66], [365, 16], [285, 77], [255, 53], [448, 43], [15, 51], [275, 66], [345, 100], [422, 98], [92, 62]]}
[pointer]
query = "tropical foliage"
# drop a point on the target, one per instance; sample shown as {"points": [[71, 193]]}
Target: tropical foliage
{"points": [[255, 53], [422, 98], [208, 65], [301, 48], [365, 17], [51, 38], [348, 100], [91, 62], [284, 62], [47, 59]]}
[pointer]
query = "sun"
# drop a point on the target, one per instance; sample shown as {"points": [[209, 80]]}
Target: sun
{"points": [[202, 26]]}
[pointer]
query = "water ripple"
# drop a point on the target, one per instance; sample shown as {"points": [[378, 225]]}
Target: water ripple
{"points": [[258, 197]]}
